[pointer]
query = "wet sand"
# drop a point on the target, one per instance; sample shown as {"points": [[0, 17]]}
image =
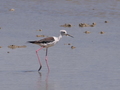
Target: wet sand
{"points": [[89, 61]]}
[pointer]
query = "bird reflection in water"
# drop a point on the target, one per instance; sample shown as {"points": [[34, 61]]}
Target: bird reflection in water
{"points": [[43, 84]]}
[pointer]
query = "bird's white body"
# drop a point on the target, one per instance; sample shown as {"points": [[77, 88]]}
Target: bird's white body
{"points": [[50, 44]]}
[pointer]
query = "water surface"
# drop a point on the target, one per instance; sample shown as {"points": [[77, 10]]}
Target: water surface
{"points": [[92, 65]]}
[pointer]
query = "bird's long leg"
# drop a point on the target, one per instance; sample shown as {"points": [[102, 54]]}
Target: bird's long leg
{"points": [[39, 58], [46, 59]]}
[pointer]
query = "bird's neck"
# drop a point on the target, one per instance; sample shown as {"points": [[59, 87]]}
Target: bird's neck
{"points": [[60, 37]]}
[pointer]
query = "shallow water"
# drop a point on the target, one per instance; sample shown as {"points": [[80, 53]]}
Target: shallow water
{"points": [[92, 65]]}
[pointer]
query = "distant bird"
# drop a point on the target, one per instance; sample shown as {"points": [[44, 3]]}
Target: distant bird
{"points": [[46, 43]]}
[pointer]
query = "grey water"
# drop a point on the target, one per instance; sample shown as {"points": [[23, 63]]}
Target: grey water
{"points": [[93, 65]]}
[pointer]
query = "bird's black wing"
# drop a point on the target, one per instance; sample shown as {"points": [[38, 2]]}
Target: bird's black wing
{"points": [[44, 40]]}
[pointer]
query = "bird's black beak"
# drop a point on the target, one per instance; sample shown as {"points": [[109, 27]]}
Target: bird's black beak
{"points": [[69, 35]]}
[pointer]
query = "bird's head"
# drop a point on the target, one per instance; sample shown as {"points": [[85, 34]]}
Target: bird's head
{"points": [[64, 33]]}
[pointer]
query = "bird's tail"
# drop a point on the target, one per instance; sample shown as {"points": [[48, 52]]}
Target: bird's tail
{"points": [[31, 41]]}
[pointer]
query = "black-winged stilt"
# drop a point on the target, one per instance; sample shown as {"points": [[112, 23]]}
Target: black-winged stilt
{"points": [[46, 43]]}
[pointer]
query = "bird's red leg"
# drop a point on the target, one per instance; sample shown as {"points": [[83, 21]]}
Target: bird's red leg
{"points": [[46, 59], [39, 58]]}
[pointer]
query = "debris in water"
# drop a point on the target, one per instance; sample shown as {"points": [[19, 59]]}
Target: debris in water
{"points": [[40, 35], [22, 46], [8, 52], [87, 32], [72, 47], [66, 25], [102, 32], [11, 9], [67, 44], [15, 46], [87, 25], [106, 21], [39, 30]]}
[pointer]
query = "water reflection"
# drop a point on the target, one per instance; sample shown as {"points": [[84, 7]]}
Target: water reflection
{"points": [[43, 84]]}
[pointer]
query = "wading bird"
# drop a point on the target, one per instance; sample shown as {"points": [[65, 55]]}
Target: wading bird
{"points": [[46, 43]]}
